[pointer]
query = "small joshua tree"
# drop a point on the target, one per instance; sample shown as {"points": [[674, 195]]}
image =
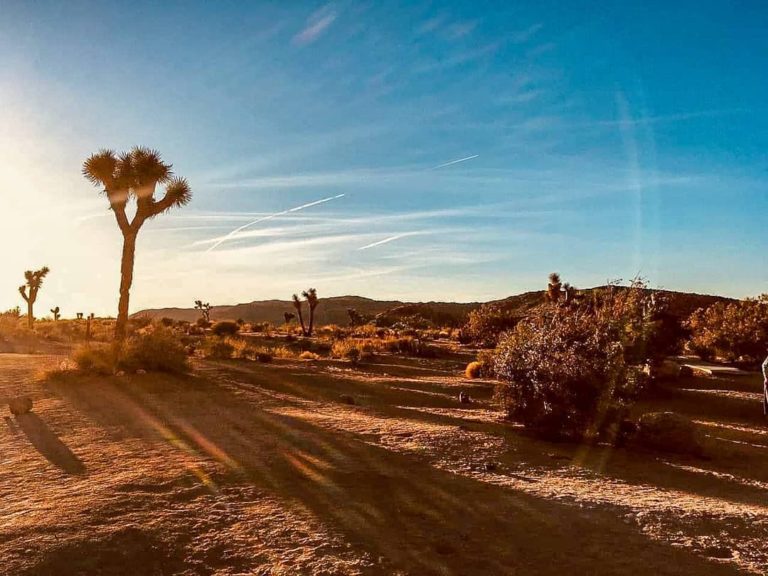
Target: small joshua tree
{"points": [[570, 292], [56, 313], [205, 310], [288, 317], [79, 315], [312, 299], [34, 280], [134, 175], [553, 288], [297, 305]]}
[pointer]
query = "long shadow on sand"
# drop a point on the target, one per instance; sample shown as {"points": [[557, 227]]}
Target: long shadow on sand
{"points": [[418, 518], [48, 444]]}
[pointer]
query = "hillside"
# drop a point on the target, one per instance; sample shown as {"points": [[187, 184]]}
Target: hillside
{"points": [[334, 310]]}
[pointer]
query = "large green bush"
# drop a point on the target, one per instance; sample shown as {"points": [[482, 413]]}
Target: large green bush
{"points": [[485, 324], [571, 371]]}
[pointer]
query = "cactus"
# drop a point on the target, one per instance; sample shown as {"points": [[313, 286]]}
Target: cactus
{"points": [[34, 280], [56, 313]]}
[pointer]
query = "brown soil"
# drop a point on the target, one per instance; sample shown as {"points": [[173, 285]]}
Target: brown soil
{"points": [[245, 468]]}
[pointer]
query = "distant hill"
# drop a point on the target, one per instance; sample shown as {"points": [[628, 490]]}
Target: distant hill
{"points": [[334, 310]]}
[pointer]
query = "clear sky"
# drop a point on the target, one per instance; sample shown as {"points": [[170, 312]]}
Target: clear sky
{"points": [[597, 139]]}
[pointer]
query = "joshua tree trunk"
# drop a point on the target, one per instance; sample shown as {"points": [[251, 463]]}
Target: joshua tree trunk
{"points": [[30, 314], [311, 321], [126, 280], [301, 320]]}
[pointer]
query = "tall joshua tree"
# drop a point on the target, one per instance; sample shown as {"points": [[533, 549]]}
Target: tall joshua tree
{"points": [[313, 301], [134, 175], [297, 305], [34, 279]]}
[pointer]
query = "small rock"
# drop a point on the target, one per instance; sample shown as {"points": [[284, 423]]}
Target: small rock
{"points": [[22, 405], [119, 373], [464, 398], [140, 372]]}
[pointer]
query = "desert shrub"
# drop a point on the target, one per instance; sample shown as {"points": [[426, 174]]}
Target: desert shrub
{"points": [[96, 359], [217, 349], [264, 357], [155, 349], [307, 355], [353, 350], [139, 322], [241, 348], [572, 371], [167, 322], [473, 370], [732, 331], [485, 324], [225, 328]]}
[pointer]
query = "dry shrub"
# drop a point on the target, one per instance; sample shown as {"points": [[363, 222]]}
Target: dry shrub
{"points": [[217, 349], [225, 328], [153, 349], [354, 350], [485, 324], [307, 355], [473, 370], [732, 331], [572, 371]]}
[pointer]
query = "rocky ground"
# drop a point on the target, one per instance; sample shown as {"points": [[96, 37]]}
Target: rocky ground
{"points": [[245, 468]]}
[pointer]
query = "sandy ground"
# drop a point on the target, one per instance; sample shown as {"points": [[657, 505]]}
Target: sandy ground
{"points": [[246, 468]]}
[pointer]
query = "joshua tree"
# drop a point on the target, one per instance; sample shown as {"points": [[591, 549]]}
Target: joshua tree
{"points": [[313, 301], [79, 315], [570, 292], [56, 313], [134, 175], [205, 310], [288, 317], [553, 288], [34, 281], [88, 321], [297, 305]]}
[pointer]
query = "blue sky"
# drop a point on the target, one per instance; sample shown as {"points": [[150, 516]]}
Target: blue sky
{"points": [[601, 140]]}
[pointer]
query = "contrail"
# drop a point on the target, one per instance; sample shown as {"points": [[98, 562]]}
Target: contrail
{"points": [[385, 241], [454, 162], [275, 215]]}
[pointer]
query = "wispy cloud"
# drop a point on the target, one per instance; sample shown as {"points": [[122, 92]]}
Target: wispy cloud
{"points": [[269, 217], [455, 162], [315, 26], [523, 36], [386, 240]]}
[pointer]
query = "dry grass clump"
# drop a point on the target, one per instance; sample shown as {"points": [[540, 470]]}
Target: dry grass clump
{"points": [[474, 370], [353, 350], [217, 348], [307, 355]]}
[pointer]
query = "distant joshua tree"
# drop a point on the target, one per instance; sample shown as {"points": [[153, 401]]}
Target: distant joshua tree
{"points": [[355, 319], [56, 313], [34, 280], [570, 292], [297, 305], [288, 317], [205, 310], [312, 299], [553, 288], [79, 315], [134, 175], [88, 321]]}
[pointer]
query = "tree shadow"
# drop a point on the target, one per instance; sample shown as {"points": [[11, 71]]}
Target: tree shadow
{"points": [[48, 444], [415, 516]]}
